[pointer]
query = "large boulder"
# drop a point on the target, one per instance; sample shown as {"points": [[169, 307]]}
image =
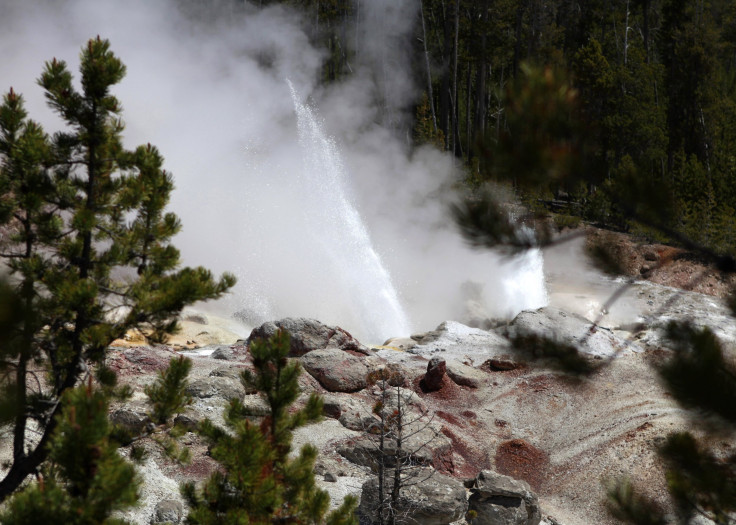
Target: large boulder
{"points": [[501, 500], [350, 411], [427, 498], [308, 335], [466, 375], [225, 388], [553, 323], [336, 371], [167, 512]]}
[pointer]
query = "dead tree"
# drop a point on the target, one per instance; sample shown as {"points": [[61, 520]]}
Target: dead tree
{"points": [[399, 455]]}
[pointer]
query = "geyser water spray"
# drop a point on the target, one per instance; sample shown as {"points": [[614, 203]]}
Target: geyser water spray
{"points": [[262, 192], [338, 231]]}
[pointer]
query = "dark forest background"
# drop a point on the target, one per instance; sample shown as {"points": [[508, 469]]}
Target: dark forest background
{"points": [[649, 99]]}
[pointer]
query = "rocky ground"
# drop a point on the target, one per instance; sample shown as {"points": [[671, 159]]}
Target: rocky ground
{"points": [[488, 413]]}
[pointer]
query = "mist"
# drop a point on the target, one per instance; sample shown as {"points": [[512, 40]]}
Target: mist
{"points": [[209, 85]]}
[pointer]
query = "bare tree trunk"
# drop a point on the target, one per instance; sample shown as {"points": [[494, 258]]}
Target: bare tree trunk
{"points": [[468, 90], [481, 107], [429, 72], [445, 94], [456, 148]]}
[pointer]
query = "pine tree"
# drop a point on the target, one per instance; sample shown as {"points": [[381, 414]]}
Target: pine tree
{"points": [[87, 244], [167, 395], [260, 481], [85, 479]]}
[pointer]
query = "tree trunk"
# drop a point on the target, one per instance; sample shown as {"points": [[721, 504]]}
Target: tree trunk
{"points": [[445, 109], [430, 95], [456, 148]]}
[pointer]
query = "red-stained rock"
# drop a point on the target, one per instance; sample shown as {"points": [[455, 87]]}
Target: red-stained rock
{"points": [[436, 369]]}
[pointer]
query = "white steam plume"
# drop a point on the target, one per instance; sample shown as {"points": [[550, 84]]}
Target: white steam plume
{"points": [[210, 91]]}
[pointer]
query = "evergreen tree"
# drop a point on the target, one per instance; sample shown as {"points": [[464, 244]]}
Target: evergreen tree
{"points": [[261, 483], [167, 395], [87, 243], [85, 479]]}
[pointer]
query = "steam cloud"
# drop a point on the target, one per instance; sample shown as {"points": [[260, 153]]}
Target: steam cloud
{"points": [[208, 86]]}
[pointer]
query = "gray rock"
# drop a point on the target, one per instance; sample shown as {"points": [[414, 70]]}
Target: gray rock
{"points": [[459, 342], [233, 373], [308, 335], [220, 387], [401, 343], [429, 498], [133, 422], [336, 370], [360, 422], [466, 375], [349, 411], [330, 477], [223, 352], [196, 318], [227, 371], [255, 406], [186, 421], [501, 500], [167, 511], [565, 327], [424, 446]]}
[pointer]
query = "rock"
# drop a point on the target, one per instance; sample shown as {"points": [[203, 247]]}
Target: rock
{"points": [[131, 421], [501, 500], [436, 369], [401, 343], [459, 342], [308, 335], [393, 373], [349, 411], [554, 323], [254, 406], [330, 477], [167, 511], [337, 371], [232, 373], [429, 498], [424, 446], [221, 387], [503, 363], [186, 421], [358, 422], [465, 375], [223, 352]]}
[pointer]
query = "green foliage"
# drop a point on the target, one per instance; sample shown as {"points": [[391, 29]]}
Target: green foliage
{"points": [[553, 354], [641, 135], [627, 505], [425, 129], [542, 140], [260, 481], [85, 480], [86, 239], [699, 481], [698, 375], [167, 396]]}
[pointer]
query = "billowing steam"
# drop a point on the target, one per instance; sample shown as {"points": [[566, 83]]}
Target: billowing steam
{"points": [[208, 86]]}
